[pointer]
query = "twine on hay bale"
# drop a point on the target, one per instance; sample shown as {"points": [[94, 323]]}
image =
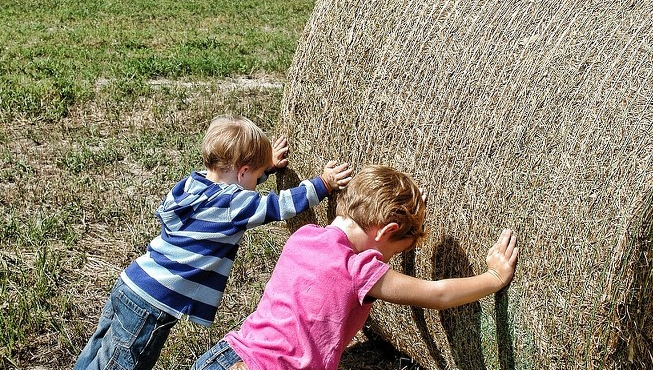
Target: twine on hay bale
{"points": [[530, 115]]}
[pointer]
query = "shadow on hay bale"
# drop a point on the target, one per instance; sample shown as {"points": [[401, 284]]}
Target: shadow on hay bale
{"points": [[532, 115]]}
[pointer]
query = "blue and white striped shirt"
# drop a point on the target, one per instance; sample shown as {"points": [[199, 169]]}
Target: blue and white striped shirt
{"points": [[185, 269]]}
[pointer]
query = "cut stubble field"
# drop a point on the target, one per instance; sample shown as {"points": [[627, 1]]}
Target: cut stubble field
{"points": [[79, 197]]}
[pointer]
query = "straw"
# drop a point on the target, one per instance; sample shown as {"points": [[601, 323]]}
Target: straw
{"points": [[535, 116]]}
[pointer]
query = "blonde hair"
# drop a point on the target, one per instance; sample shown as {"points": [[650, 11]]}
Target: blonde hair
{"points": [[378, 195], [233, 142]]}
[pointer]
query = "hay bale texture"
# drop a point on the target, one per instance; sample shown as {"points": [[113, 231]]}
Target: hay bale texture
{"points": [[533, 115]]}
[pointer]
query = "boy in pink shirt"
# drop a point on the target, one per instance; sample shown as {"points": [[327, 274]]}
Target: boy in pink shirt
{"points": [[323, 286]]}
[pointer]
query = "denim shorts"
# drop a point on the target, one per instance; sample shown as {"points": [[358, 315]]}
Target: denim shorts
{"points": [[219, 357], [130, 334]]}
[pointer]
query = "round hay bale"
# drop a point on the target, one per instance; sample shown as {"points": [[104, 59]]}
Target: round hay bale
{"points": [[533, 115]]}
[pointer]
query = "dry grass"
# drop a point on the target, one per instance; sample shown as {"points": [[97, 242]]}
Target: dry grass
{"points": [[532, 115], [78, 199]]}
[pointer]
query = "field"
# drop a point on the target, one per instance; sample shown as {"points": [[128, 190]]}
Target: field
{"points": [[102, 106]]}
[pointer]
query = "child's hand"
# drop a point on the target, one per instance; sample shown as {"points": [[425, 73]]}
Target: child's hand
{"points": [[502, 257], [336, 177], [280, 152]]}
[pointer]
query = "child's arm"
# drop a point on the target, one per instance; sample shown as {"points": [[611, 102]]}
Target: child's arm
{"points": [[254, 209], [501, 260]]}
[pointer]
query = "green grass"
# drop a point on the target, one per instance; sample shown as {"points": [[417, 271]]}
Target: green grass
{"points": [[55, 52]]}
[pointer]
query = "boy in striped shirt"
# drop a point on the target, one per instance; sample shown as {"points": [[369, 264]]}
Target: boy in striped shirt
{"points": [[203, 218]]}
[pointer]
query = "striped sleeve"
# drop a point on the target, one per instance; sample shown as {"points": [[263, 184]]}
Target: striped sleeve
{"points": [[250, 208]]}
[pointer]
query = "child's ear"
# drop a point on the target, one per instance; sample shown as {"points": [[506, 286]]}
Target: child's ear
{"points": [[385, 232], [241, 172]]}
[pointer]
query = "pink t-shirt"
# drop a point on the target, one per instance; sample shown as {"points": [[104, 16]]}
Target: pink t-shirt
{"points": [[313, 304]]}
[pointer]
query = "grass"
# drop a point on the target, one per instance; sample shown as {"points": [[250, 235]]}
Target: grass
{"points": [[102, 106], [54, 52]]}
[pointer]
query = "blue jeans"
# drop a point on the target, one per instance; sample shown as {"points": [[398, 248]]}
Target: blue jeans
{"points": [[219, 357], [130, 334]]}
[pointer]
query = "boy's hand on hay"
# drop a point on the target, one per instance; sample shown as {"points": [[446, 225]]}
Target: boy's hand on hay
{"points": [[280, 152], [336, 176], [502, 257]]}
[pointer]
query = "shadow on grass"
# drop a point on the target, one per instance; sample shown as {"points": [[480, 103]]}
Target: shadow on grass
{"points": [[374, 353]]}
